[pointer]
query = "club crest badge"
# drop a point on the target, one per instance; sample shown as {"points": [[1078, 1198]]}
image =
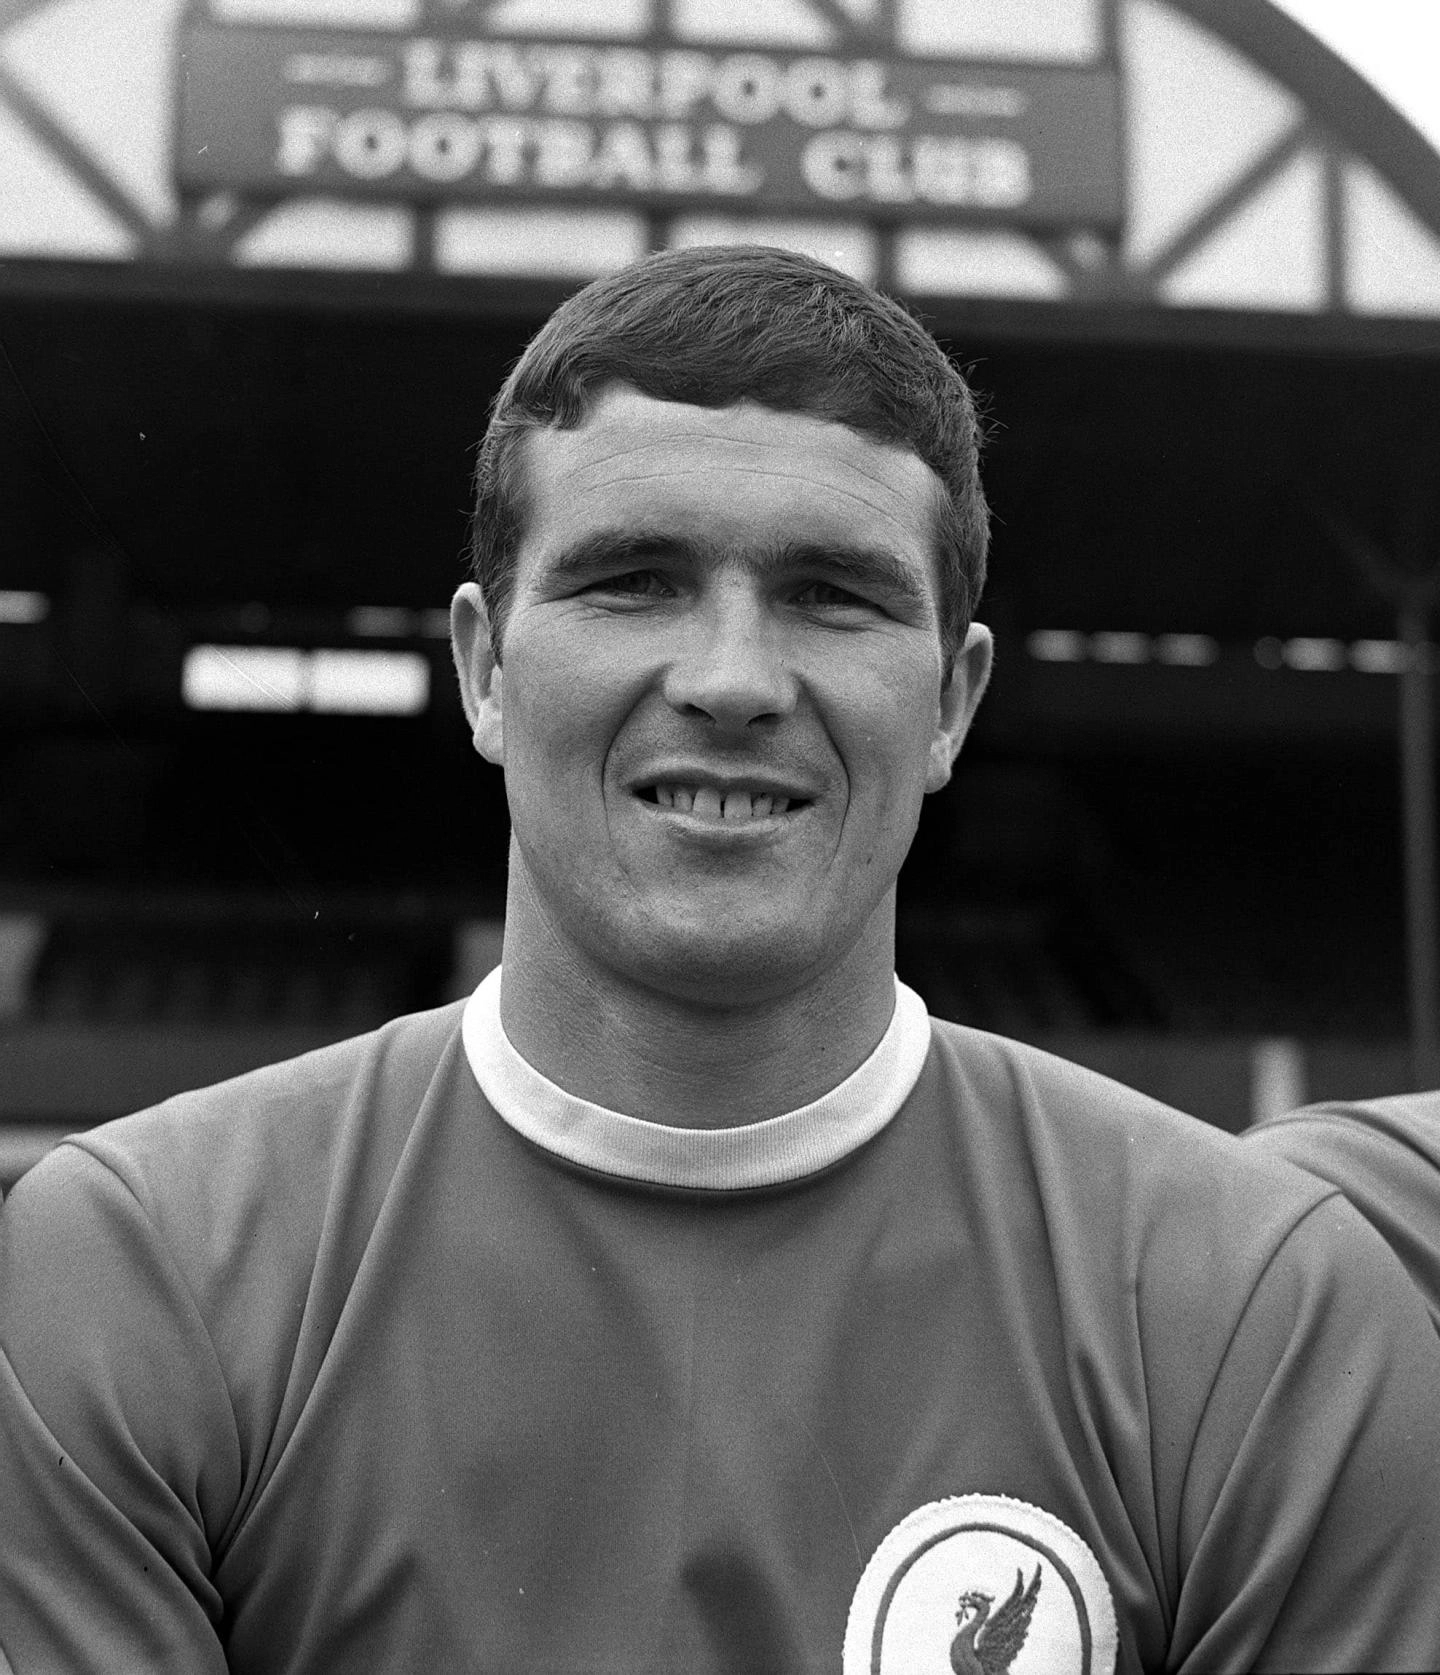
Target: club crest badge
{"points": [[981, 1585]]}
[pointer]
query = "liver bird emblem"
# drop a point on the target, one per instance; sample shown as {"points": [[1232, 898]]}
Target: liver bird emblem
{"points": [[988, 1645]]}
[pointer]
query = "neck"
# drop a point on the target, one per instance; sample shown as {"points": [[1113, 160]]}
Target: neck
{"points": [[636, 1045]]}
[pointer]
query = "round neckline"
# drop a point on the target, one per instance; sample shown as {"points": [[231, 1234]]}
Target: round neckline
{"points": [[788, 1147]]}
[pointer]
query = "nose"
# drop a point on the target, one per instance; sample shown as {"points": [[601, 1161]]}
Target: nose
{"points": [[729, 664]]}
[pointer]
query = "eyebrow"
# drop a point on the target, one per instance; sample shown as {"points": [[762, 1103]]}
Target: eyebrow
{"points": [[868, 566], [604, 549]]}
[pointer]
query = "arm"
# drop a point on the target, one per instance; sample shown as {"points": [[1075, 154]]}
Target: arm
{"points": [[119, 1460], [1310, 1520]]}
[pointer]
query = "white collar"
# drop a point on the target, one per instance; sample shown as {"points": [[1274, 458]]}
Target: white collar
{"points": [[784, 1148]]}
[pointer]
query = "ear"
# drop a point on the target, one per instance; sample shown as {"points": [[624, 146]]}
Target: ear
{"points": [[481, 678], [958, 703]]}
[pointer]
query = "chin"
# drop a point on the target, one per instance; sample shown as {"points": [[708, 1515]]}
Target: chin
{"points": [[727, 965], [739, 960]]}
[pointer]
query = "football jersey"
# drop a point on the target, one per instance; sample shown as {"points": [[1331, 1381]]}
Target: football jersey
{"points": [[1384, 1155], [399, 1357]]}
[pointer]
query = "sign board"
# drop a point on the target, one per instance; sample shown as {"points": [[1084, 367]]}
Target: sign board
{"points": [[432, 118]]}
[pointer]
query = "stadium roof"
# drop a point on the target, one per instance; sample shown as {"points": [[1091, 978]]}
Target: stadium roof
{"points": [[1266, 188]]}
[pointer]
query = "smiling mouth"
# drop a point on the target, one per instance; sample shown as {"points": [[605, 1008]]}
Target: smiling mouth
{"points": [[705, 802]]}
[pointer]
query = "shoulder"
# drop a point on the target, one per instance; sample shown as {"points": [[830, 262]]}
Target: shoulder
{"points": [[278, 1119], [1402, 1133], [1384, 1155], [1127, 1191], [230, 1185], [178, 1259], [1017, 1075], [1078, 1117]]}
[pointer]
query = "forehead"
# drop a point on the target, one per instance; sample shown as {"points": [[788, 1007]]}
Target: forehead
{"points": [[739, 476]]}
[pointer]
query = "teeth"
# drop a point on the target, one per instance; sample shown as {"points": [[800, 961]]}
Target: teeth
{"points": [[709, 804]]}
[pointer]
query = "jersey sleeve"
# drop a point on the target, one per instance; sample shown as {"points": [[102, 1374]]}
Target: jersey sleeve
{"points": [[1310, 1519], [1384, 1155], [118, 1451]]}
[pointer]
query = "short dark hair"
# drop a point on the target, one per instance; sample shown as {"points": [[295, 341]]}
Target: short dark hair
{"points": [[721, 324]]}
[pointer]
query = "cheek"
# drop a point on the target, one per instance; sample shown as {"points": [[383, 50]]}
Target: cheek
{"points": [[890, 720], [566, 697]]}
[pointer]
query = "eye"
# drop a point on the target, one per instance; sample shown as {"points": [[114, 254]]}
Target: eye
{"points": [[829, 594], [633, 584]]}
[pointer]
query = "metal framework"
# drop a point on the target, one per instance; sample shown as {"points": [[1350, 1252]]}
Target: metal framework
{"points": [[1340, 120]]}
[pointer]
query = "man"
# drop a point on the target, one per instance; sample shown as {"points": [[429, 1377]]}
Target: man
{"points": [[687, 1301]]}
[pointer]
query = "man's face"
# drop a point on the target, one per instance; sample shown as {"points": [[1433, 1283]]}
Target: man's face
{"points": [[722, 696]]}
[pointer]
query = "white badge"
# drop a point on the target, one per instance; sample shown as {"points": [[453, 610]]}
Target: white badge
{"points": [[981, 1585]]}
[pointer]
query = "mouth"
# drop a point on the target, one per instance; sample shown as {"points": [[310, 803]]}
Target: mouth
{"points": [[732, 806]]}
